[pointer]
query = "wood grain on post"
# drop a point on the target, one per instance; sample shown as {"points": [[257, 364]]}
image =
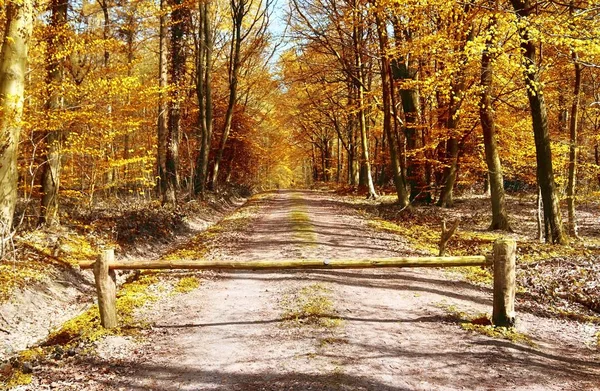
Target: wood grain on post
{"points": [[505, 252], [106, 288]]}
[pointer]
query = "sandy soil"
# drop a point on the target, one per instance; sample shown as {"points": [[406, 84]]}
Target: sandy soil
{"points": [[395, 330]]}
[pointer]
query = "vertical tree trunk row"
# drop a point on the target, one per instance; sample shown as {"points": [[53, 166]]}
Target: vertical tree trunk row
{"points": [[53, 137]]}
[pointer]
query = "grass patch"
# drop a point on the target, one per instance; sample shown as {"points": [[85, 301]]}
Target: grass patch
{"points": [[187, 284], [509, 333], [303, 229], [310, 305], [86, 327], [482, 324]]}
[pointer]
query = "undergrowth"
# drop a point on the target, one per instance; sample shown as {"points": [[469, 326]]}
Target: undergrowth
{"points": [[36, 251], [83, 331], [556, 280]]}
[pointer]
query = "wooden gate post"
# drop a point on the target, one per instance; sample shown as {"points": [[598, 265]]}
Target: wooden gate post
{"points": [[107, 288], [505, 252]]}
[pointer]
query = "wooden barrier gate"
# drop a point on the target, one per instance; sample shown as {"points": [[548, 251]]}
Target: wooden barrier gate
{"points": [[503, 259]]}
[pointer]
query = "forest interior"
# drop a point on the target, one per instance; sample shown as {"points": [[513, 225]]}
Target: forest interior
{"points": [[347, 195]]}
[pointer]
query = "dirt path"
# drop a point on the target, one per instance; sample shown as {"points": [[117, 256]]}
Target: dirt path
{"points": [[377, 330]]}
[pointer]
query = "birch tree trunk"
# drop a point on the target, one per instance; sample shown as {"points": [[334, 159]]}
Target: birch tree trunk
{"points": [[162, 104], [13, 66]]}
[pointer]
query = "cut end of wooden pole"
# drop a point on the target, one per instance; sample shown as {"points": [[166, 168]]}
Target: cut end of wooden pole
{"points": [[505, 254]]}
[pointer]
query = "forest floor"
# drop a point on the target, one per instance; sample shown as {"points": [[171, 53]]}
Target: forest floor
{"points": [[41, 285], [384, 329]]}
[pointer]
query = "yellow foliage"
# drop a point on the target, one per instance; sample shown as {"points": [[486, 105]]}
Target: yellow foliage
{"points": [[18, 378]]}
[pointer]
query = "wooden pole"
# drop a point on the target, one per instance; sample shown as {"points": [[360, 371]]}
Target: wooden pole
{"points": [[106, 288], [299, 263], [504, 255]]}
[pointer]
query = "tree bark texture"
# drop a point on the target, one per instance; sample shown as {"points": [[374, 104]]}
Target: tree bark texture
{"points": [[492, 158], [13, 67], [545, 173], [399, 180], [55, 73], [177, 70], [573, 149], [204, 95], [162, 104], [238, 11]]}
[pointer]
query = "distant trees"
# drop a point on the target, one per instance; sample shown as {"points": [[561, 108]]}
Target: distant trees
{"points": [[455, 68], [422, 96]]}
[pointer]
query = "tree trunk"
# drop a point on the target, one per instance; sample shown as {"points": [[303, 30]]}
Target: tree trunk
{"points": [[204, 95], [456, 97], [52, 155], [539, 215], [178, 27], [446, 196], [597, 160], [573, 124], [162, 105], [406, 69], [399, 180], [238, 12], [111, 172], [362, 120], [13, 67], [492, 158], [535, 93]]}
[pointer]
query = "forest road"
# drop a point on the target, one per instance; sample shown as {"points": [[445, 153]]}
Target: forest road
{"points": [[377, 329]]}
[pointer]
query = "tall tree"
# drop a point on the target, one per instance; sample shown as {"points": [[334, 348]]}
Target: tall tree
{"points": [[162, 103], [488, 126], [463, 35], [13, 67], [240, 9], [360, 81], [524, 10], [573, 153], [204, 65], [53, 137], [386, 91], [177, 71]]}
